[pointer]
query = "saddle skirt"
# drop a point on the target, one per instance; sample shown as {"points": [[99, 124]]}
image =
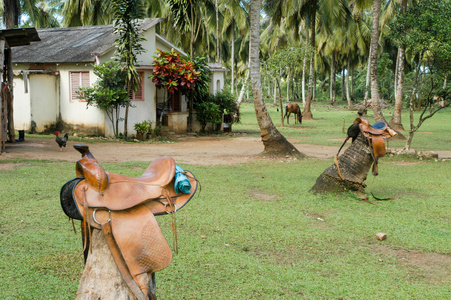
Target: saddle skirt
{"points": [[125, 208]]}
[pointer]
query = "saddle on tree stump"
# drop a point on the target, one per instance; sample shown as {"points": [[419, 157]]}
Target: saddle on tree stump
{"points": [[375, 135], [124, 208]]}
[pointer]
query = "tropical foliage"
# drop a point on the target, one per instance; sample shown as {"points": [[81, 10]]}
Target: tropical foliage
{"points": [[126, 16], [208, 112], [173, 73]]}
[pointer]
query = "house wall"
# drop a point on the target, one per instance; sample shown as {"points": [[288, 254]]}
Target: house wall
{"points": [[22, 107], [43, 100], [78, 114], [48, 97], [139, 110]]}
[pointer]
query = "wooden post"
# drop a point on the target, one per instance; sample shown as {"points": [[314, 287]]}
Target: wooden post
{"points": [[101, 278], [3, 106], [10, 95]]}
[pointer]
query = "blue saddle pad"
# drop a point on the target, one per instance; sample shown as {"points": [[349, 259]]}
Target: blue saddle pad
{"points": [[379, 125]]}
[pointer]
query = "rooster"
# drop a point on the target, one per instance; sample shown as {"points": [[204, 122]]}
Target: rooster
{"points": [[61, 140]]}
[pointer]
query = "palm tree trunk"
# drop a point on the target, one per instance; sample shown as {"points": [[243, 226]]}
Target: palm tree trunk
{"points": [[395, 121], [288, 85], [331, 86], [304, 65], [275, 93], [243, 89], [343, 86], [280, 101], [354, 165], [348, 94], [314, 86], [273, 141], [352, 82], [233, 58], [367, 83], [217, 31], [307, 114], [11, 14], [374, 45]]}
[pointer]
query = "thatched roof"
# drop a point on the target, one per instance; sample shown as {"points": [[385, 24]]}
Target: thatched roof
{"points": [[71, 44]]}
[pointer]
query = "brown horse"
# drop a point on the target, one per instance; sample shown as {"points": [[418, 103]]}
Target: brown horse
{"points": [[293, 109]]}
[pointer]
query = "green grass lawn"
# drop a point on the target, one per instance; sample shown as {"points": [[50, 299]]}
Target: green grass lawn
{"points": [[255, 231], [434, 134]]}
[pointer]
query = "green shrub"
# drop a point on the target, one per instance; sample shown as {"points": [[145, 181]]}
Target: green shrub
{"points": [[208, 112], [144, 127]]}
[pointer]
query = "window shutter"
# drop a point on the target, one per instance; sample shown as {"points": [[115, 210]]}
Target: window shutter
{"points": [[78, 80], [139, 94]]}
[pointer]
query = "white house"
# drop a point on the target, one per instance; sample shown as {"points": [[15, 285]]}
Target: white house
{"points": [[49, 73]]}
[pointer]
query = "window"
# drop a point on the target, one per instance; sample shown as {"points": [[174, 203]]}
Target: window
{"points": [[139, 94], [218, 85], [78, 80], [175, 102]]}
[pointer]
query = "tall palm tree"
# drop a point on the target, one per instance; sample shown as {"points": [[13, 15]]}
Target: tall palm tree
{"points": [[236, 21], [191, 17], [307, 11], [87, 12], [395, 121], [374, 53], [274, 142], [11, 13], [43, 14]]}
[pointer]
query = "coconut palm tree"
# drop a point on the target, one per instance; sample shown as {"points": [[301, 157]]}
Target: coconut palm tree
{"points": [[191, 17], [308, 11], [395, 121], [374, 53], [274, 142], [235, 21], [86, 13], [43, 14]]}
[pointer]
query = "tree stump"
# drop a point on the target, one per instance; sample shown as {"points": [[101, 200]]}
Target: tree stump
{"points": [[354, 165], [101, 278]]}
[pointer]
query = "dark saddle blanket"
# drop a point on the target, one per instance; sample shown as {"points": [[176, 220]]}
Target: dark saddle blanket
{"points": [[125, 208]]}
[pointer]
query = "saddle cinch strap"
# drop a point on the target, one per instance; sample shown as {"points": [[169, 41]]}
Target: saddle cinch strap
{"points": [[124, 208]]}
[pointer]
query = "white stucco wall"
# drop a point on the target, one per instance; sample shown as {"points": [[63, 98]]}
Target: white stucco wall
{"points": [[78, 112], [22, 108], [139, 110], [43, 100]]}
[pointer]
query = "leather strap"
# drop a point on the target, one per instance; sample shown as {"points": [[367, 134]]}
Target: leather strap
{"points": [[123, 269]]}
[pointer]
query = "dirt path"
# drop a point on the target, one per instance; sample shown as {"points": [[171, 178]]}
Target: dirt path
{"points": [[187, 149]]}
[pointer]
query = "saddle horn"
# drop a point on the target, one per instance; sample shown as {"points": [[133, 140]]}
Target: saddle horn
{"points": [[84, 150], [88, 168]]}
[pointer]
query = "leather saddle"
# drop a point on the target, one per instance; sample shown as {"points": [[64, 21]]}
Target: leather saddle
{"points": [[375, 135], [125, 208]]}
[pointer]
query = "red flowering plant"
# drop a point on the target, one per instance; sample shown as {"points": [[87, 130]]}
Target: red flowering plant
{"points": [[173, 73]]}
